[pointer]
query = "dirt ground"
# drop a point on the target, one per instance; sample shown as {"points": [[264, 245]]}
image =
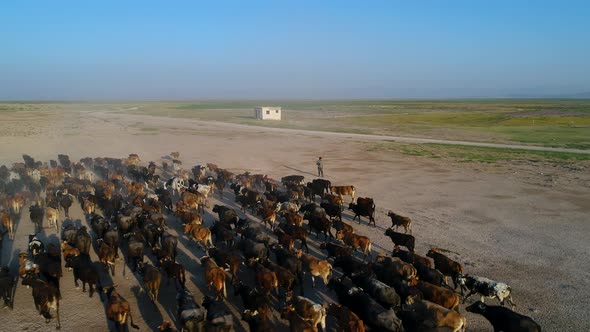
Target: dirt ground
{"points": [[522, 223]]}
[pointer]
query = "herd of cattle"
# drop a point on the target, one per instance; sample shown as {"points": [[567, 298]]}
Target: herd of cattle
{"points": [[131, 210]]}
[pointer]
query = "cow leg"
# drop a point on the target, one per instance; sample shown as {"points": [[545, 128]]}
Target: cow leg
{"points": [[83, 286], [312, 281]]}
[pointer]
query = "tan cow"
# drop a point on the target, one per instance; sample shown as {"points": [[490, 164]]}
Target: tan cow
{"points": [[315, 267], [343, 191], [355, 241], [52, 216], [200, 233], [214, 276]]}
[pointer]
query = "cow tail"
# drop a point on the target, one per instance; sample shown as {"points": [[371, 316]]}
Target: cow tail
{"points": [[224, 290]]}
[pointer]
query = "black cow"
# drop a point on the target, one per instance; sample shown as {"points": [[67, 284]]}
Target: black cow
{"points": [[401, 239], [6, 286], [349, 265], [252, 298], [382, 293], [364, 207], [361, 303], [218, 317], [504, 319], [191, 316], [86, 271], [36, 213], [46, 297]]}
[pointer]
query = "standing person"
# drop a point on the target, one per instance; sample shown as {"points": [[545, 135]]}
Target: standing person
{"points": [[320, 164]]}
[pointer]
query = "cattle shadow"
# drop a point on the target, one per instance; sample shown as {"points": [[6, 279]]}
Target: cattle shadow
{"points": [[149, 311], [300, 171]]}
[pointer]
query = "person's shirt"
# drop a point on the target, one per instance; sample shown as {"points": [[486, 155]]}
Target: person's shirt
{"points": [[320, 163]]}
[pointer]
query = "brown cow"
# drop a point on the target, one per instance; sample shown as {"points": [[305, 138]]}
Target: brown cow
{"points": [[348, 321], [266, 279], [151, 280], [294, 219], [315, 267], [433, 317], [214, 276], [285, 239], [118, 309], [106, 255], [447, 266], [296, 323], [8, 222], [268, 216], [397, 220], [68, 250], [199, 233], [355, 241], [439, 295], [194, 200], [309, 310], [343, 191]]}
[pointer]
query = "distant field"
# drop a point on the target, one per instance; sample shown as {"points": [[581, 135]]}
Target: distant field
{"points": [[542, 122]]}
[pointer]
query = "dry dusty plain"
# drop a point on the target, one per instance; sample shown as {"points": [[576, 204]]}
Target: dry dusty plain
{"points": [[525, 223]]}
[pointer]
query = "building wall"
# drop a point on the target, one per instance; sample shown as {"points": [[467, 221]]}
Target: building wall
{"points": [[268, 113]]}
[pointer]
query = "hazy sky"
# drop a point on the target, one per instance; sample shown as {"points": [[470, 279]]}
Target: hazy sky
{"points": [[292, 49]]}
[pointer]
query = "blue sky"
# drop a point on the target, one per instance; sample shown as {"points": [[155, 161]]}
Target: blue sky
{"points": [[292, 49]]}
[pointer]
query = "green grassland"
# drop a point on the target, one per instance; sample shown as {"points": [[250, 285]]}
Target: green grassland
{"points": [[542, 122], [464, 153]]}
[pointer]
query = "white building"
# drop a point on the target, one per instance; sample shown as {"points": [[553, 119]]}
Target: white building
{"points": [[267, 113]]}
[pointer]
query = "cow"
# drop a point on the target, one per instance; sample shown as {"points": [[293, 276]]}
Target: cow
{"points": [[135, 252], [411, 257], [226, 215], [7, 282], [504, 319], [65, 201], [107, 256], [46, 297], [256, 321], [292, 180], [253, 299], [296, 322], [447, 266], [285, 277], [83, 240], [424, 315], [214, 276], [266, 280], [319, 224], [36, 247], [435, 294], [174, 271], [309, 310], [315, 267], [430, 275], [332, 210], [252, 249], [389, 269], [486, 288], [8, 222], [68, 250], [400, 239], [230, 259], [348, 321], [342, 226], [118, 310], [290, 262], [297, 233], [349, 265], [268, 216], [293, 218], [343, 191], [195, 201], [361, 303], [364, 207], [397, 221], [381, 292], [218, 318], [191, 316], [335, 250], [151, 280], [355, 241], [199, 233], [84, 270], [36, 213]]}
